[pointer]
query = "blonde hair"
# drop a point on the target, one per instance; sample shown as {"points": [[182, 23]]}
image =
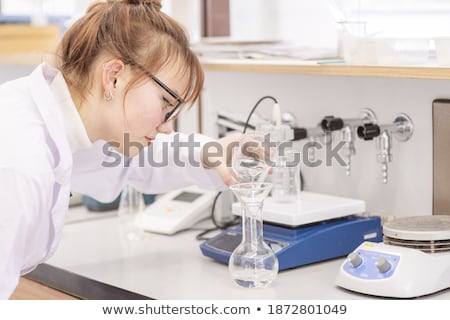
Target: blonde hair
{"points": [[130, 30]]}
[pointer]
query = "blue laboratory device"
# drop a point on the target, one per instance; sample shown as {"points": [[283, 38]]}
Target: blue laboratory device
{"points": [[298, 234]]}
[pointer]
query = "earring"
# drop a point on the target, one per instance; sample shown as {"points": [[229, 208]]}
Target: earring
{"points": [[108, 97]]}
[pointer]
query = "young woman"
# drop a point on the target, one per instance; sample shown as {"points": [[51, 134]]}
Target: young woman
{"points": [[124, 72]]}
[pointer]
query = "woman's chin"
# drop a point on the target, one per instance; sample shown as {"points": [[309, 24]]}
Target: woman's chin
{"points": [[132, 149]]}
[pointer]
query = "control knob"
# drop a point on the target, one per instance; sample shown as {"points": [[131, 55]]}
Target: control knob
{"points": [[355, 259], [382, 265]]}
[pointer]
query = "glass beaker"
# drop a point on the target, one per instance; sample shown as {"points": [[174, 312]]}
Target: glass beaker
{"points": [[252, 264], [286, 177], [355, 46], [130, 207]]}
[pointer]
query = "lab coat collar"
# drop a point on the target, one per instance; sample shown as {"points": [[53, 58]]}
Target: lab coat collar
{"points": [[76, 132]]}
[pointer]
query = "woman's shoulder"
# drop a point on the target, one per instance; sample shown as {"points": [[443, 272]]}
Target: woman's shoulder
{"points": [[21, 127], [18, 112], [15, 94]]}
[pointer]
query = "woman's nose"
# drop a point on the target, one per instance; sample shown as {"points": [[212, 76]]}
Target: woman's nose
{"points": [[165, 127]]}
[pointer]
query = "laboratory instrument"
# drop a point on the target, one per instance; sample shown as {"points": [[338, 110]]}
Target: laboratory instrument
{"points": [[231, 122], [413, 261], [401, 128], [177, 210], [316, 228], [285, 160], [347, 128], [252, 263]]}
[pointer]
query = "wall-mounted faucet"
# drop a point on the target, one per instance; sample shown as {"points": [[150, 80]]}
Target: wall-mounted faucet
{"points": [[401, 128], [347, 127], [314, 134]]}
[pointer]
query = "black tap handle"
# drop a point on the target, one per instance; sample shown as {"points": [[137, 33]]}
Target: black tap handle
{"points": [[300, 134], [331, 123], [368, 131]]}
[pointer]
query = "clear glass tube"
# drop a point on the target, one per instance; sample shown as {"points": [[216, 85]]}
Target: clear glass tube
{"points": [[252, 264]]}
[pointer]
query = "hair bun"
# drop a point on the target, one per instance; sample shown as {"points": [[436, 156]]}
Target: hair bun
{"points": [[156, 4]]}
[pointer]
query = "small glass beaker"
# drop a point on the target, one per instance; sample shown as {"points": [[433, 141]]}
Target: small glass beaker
{"points": [[286, 176], [251, 158], [354, 45], [130, 209], [252, 264]]}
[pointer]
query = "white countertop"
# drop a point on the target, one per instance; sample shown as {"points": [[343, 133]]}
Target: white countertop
{"points": [[173, 267]]}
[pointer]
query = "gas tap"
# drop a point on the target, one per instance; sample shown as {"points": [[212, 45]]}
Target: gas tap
{"points": [[347, 127], [401, 129], [312, 136]]}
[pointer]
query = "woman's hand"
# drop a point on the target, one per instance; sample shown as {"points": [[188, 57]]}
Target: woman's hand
{"points": [[217, 155]]}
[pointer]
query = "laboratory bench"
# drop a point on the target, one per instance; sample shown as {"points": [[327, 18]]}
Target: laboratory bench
{"points": [[29, 289], [95, 261]]}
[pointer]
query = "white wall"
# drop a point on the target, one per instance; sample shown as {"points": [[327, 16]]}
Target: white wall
{"points": [[188, 13], [254, 19], [82, 5], [311, 97], [303, 22]]}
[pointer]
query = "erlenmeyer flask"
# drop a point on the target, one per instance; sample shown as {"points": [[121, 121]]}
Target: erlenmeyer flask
{"points": [[130, 206], [253, 263]]}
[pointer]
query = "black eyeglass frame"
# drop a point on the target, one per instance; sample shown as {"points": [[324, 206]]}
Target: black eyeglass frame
{"points": [[168, 115]]}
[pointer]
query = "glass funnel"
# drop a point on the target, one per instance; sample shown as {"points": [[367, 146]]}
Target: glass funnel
{"points": [[253, 263]]}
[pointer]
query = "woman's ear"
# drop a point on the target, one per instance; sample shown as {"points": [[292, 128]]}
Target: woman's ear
{"points": [[111, 70]]}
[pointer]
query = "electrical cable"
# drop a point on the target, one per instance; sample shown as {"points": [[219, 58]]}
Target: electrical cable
{"points": [[254, 108]]}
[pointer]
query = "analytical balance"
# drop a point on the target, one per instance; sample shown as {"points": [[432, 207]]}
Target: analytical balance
{"points": [[413, 261], [317, 227]]}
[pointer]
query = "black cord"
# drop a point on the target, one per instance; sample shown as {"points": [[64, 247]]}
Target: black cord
{"points": [[254, 108], [213, 216], [236, 220], [201, 235]]}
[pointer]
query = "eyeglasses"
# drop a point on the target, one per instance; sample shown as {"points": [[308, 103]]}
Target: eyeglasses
{"points": [[171, 115]]}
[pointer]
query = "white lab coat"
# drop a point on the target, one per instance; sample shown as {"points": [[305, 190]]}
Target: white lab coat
{"points": [[38, 170]]}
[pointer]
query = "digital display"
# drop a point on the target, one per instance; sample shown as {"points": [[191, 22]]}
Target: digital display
{"points": [[187, 196]]}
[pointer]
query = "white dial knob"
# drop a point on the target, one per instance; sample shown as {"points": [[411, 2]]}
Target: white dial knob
{"points": [[383, 265], [355, 259]]}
